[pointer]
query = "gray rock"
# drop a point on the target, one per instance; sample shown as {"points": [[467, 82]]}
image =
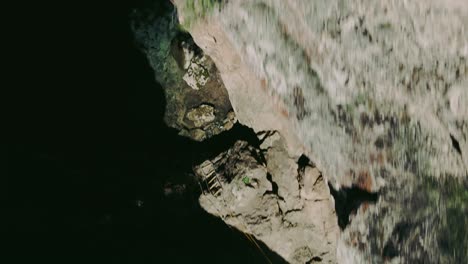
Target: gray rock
{"points": [[375, 93]]}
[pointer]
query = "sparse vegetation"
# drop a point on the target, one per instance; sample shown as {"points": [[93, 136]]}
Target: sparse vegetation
{"points": [[195, 9], [450, 197], [246, 180]]}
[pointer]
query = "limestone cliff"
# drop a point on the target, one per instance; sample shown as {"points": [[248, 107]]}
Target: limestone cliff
{"points": [[374, 92]]}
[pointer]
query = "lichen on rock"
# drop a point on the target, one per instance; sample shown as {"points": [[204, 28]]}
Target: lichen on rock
{"points": [[189, 77], [196, 75], [201, 115]]}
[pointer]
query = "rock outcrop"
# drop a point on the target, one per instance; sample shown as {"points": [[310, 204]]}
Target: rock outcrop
{"points": [[374, 92], [267, 194], [197, 103]]}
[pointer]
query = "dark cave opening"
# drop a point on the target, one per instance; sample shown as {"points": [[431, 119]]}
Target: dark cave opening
{"points": [[89, 158], [303, 161], [348, 200]]}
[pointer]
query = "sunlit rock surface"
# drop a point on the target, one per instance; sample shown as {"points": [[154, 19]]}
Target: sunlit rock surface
{"points": [[374, 92], [261, 195]]}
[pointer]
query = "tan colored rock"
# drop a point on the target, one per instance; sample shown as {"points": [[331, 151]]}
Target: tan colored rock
{"points": [[313, 185], [249, 96], [229, 121], [202, 115], [271, 209], [197, 134]]}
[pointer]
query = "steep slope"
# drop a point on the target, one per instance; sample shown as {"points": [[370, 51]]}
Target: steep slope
{"points": [[375, 93]]}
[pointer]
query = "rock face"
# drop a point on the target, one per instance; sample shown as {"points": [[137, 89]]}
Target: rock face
{"points": [[265, 193], [197, 102], [375, 93]]}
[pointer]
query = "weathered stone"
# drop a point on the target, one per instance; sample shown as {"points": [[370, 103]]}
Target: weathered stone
{"points": [[312, 185], [197, 134], [263, 200], [201, 115], [375, 93], [230, 120], [196, 75], [188, 76]]}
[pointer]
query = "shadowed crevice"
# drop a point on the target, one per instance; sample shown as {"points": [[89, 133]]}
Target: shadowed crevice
{"points": [[455, 144], [348, 200]]}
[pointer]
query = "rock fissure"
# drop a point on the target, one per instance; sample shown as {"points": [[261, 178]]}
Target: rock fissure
{"points": [[455, 144]]}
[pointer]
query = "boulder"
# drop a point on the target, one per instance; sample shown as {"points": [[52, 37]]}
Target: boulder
{"points": [[260, 196]]}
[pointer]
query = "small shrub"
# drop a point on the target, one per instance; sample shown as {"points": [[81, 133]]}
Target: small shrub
{"points": [[246, 180], [195, 9]]}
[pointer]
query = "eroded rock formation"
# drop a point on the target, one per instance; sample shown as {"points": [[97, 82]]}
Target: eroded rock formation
{"points": [[374, 92], [197, 102], [267, 194]]}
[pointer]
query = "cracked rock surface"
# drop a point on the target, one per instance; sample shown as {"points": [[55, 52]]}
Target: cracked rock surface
{"points": [[375, 94], [262, 195]]}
